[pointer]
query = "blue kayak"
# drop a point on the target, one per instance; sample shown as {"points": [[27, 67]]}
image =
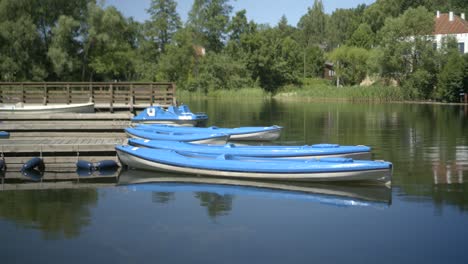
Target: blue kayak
{"points": [[204, 138], [174, 115], [313, 151], [238, 133], [325, 169]]}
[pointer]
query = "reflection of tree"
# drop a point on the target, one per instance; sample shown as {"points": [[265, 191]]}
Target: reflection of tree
{"points": [[162, 197], [451, 194], [217, 204], [55, 212]]}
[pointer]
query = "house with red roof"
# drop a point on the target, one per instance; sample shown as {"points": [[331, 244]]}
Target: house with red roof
{"points": [[449, 24]]}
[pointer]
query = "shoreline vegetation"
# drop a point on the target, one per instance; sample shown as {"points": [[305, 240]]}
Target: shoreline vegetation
{"points": [[312, 89], [315, 93]]}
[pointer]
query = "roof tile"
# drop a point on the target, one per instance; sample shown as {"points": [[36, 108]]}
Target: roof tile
{"points": [[444, 26]]}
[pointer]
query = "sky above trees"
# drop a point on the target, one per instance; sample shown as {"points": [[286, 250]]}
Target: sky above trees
{"points": [[261, 11]]}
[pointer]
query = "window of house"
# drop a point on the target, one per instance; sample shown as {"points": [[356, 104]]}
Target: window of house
{"points": [[461, 47]]}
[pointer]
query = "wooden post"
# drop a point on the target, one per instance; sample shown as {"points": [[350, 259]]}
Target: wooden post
{"points": [[132, 98], [111, 103], [174, 99], [45, 94], [68, 100], [152, 94], [91, 93], [23, 95]]}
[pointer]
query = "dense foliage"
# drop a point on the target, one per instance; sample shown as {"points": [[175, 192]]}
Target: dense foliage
{"points": [[389, 41]]}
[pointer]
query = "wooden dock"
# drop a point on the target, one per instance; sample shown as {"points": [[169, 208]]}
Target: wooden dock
{"points": [[64, 122], [62, 139], [109, 96]]}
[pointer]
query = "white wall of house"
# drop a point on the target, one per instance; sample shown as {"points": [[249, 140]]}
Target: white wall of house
{"points": [[461, 38]]}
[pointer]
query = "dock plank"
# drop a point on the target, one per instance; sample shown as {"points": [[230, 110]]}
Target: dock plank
{"points": [[67, 116], [56, 145]]}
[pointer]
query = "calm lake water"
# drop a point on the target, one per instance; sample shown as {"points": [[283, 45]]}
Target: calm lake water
{"points": [[423, 218]]}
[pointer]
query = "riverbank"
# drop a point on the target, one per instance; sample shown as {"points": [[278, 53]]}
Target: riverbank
{"points": [[317, 90]]}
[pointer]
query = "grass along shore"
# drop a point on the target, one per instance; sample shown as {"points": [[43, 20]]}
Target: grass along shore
{"points": [[316, 91]]}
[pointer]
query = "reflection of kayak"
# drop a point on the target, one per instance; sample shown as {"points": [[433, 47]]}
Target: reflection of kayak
{"points": [[313, 151], [342, 194], [238, 133], [324, 169]]}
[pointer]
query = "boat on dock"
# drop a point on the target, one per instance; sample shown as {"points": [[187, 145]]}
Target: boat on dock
{"points": [[20, 108], [325, 169], [290, 152], [238, 133], [205, 138], [174, 115], [333, 194]]}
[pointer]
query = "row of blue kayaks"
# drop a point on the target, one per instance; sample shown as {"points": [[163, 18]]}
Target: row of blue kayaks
{"points": [[180, 148]]}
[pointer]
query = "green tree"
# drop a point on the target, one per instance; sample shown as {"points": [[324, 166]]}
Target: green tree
{"points": [[177, 63], [165, 21], [376, 14], [313, 25], [451, 77], [350, 64], [108, 45], [238, 26], [342, 24], [27, 29], [314, 62], [407, 45], [19, 50], [363, 37], [220, 71], [64, 48], [313, 29], [284, 28], [209, 20], [273, 61]]}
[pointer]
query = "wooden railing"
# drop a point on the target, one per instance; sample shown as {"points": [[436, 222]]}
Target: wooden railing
{"points": [[103, 94]]}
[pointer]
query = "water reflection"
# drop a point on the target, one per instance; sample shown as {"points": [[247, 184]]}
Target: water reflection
{"points": [[57, 213], [216, 204], [218, 194], [58, 204], [32, 179]]}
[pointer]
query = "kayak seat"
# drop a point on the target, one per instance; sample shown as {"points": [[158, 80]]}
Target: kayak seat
{"points": [[184, 109], [173, 110], [224, 157]]}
